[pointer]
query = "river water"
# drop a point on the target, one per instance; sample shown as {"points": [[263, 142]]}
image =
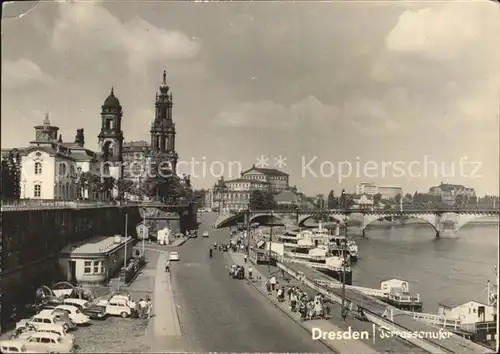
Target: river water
{"points": [[440, 270]]}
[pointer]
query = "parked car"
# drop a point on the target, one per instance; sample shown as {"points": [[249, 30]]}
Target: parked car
{"points": [[44, 317], [119, 307], [74, 314], [63, 289], [50, 342], [125, 297], [205, 234], [16, 346], [49, 328], [95, 312], [61, 316], [173, 256]]}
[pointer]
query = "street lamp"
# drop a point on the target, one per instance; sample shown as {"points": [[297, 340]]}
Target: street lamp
{"points": [[344, 264], [270, 241]]}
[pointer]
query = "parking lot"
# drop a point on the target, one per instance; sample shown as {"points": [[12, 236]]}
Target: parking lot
{"points": [[114, 334]]}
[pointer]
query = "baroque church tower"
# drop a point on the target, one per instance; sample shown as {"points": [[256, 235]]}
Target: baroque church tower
{"points": [[111, 137], [163, 129]]}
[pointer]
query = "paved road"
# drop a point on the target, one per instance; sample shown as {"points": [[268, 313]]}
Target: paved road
{"points": [[219, 314]]}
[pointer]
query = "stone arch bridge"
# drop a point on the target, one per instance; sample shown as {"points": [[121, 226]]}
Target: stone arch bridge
{"points": [[446, 222]]}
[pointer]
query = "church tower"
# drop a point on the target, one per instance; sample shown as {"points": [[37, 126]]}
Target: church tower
{"points": [[111, 137], [163, 128]]}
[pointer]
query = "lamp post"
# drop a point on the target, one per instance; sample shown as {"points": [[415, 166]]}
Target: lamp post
{"points": [[126, 236], [270, 241], [344, 264]]}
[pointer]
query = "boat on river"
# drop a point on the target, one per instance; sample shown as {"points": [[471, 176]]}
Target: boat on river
{"points": [[315, 248]]}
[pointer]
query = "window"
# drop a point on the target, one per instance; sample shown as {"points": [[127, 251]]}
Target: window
{"points": [[38, 168], [96, 266], [87, 267], [102, 268], [37, 193]]}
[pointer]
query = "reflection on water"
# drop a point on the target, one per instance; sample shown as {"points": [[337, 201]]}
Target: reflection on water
{"points": [[440, 270]]}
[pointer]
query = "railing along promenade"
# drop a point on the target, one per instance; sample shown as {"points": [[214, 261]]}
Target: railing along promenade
{"points": [[41, 204]]}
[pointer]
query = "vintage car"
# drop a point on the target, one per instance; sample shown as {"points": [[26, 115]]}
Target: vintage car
{"points": [[119, 307], [17, 346], [44, 317], [74, 314], [50, 328], [48, 342], [63, 289]]}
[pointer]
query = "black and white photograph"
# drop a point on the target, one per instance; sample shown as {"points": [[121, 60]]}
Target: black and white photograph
{"points": [[250, 176]]}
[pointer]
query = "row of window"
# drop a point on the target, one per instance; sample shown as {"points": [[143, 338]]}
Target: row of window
{"points": [[62, 169], [93, 267], [261, 177]]}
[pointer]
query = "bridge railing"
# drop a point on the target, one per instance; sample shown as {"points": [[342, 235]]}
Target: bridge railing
{"points": [[40, 204], [437, 320], [378, 211]]}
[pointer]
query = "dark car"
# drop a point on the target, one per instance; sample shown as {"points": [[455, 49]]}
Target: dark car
{"points": [[95, 312], [47, 303]]}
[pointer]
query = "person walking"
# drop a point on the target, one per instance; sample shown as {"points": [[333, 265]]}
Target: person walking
{"points": [[272, 281], [149, 307], [245, 258], [250, 270]]}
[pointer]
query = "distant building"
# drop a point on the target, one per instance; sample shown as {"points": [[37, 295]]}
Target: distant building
{"points": [[235, 194], [449, 192], [367, 188], [362, 200], [50, 166], [136, 160], [278, 180], [387, 192]]}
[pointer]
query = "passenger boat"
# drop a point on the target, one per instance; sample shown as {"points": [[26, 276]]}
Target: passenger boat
{"points": [[314, 248]]}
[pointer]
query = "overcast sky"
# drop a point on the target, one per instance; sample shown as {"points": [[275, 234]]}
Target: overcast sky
{"points": [[353, 81]]}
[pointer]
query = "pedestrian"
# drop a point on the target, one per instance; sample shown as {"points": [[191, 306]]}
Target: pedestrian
{"points": [[142, 308], [268, 286], [167, 266], [250, 270], [149, 307], [245, 258], [272, 281], [133, 307]]}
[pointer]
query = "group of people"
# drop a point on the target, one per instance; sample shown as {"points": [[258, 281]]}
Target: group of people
{"points": [[238, 272], [299, 301], [143, 308]]}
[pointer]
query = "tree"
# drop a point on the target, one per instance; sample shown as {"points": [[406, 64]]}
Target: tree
{"points": [[125, 187], [342, 200], [332, 201], [415, 195], [260, 200], [376, 199], [167, 188], [397, 198], [408, 197], [88, 186]]}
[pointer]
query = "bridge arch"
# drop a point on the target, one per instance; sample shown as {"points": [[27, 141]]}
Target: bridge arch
{"points": [[430, 219], [331, 217], [260, 217], [464, 219]]}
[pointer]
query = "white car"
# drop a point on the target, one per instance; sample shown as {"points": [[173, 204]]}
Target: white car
{"points": [[173, 256], [48, 342], [118, 307], [125, 298], [16, 346], [205, 233], [43, 318], [74, 314], [49, 328]]}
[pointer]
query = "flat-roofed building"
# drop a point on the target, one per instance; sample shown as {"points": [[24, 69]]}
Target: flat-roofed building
{"points": [[95, 260]]}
